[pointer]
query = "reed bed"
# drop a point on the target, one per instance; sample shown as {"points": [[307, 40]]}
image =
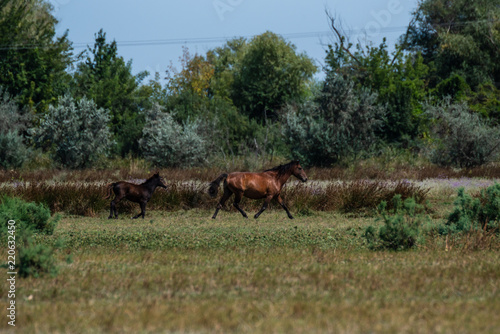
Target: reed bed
{"points": [[88, 198]]}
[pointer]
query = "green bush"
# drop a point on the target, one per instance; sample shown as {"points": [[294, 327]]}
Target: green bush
{"points": [[13, 151], [479, 213], [31, 215], [341, 124], [461, 138], [401, 226], [76, 133], [167, 143], [34, 259]]}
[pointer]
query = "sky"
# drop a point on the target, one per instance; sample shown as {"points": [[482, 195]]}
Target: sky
{"points": [[152, 33]]}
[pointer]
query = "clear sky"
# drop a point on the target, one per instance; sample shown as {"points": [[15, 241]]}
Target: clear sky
{"points": [[152, 33]]}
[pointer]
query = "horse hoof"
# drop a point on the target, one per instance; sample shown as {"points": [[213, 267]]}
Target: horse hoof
{"points": [[110, 217]]}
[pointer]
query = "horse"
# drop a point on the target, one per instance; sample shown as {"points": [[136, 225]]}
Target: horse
{"points": [[138, 193], [267, 184]]}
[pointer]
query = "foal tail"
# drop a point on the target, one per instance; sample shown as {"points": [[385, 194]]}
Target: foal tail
{"points": [[214, 185], [109, 188]]}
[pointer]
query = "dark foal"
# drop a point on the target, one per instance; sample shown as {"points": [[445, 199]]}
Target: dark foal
{"points": [[138, 193], [267, 185]]}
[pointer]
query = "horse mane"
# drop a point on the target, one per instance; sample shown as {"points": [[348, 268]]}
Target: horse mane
{"points": [[283, 169], [150, 179]]}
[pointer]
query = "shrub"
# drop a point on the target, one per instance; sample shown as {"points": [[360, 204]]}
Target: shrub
{"points": [[76, 133], [401, 226], [13, 151], [34, 259], [341, 124], [167, 143], [33, 216], [461, 138], [479, 213]]}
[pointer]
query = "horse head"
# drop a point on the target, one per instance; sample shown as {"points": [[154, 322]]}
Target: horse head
{"points": [[298, 172]]}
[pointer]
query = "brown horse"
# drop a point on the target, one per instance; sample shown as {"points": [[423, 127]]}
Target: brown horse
{"points": [[138, 193], [267, 184]]}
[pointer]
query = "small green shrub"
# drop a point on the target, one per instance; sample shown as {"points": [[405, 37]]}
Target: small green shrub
{"points": [[401, 226], [34, 216], [479, 213], [34, 259]]}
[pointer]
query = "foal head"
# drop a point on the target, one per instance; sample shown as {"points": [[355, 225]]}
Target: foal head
{"points": [[158, 180]]}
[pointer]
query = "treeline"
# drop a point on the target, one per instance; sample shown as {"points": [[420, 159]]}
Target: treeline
{"points": [[437, 95]]}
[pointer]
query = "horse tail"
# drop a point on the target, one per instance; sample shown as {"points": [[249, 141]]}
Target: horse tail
{"points": [[109, 188], [214, 185]]}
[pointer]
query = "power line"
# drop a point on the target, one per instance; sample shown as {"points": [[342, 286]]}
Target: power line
{"points": [[199, 40], [212, 40]]}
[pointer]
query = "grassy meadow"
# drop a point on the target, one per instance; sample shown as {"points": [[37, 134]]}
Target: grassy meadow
{"points": [[180, 271]]}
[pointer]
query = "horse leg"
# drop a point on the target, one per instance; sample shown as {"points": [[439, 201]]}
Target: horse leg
{"points": [[282, 203], [264, 206], [225, 197], [143, 210], [112, 208], [237, 200]]}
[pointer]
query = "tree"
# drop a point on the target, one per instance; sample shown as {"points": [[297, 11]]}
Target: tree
{"points": [[458, 38], [341, 124], [104, 77], [76, 133], [399, 80], [33, 61], [269, 75]]}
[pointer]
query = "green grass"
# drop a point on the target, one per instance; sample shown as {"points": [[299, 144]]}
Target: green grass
{"points": [[183, 272]]}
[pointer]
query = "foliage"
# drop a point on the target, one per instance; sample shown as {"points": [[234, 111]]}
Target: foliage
{"points": [[33, 61], [458, 38], [13, 151], [167, 143], [76, 133], [342, 123], [270, 75], [104, 77], [479, 213], [397, 79], [401, 226], [195, 75], [34, 259], [33, 216], [461, 138]]}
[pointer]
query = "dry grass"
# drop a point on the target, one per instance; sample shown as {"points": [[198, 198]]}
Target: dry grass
{"points": [[87, 197]]}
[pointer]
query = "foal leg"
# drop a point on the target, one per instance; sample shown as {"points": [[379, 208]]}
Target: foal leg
{"points": [[280, 201], [225, 197], [143, 210], [264, 206], [237, 200]]}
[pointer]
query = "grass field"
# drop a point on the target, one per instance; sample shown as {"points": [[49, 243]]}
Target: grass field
{"points": [[182, 272]]}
